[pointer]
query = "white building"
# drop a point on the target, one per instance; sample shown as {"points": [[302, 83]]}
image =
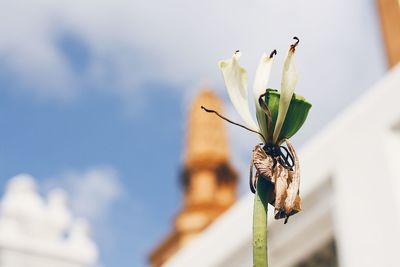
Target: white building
{"points": [[351, 196], [38, 232]]}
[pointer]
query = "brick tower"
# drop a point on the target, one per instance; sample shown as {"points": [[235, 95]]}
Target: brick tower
{"points": [[208, 180], [389, 11]]}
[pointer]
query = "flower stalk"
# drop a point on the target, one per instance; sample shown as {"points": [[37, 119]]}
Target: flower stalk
{"points": [[260, 223]]}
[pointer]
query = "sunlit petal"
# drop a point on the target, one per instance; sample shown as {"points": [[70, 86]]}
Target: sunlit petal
{"points": [[259, 87], [262, 75], [288, 84], [235, 78]]}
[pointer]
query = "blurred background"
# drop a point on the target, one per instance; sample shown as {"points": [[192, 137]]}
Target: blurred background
{"points": [[107, 160]]}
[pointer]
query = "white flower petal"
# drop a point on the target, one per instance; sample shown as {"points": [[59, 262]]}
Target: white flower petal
{"points": [[260, 85], [288, 84], [235, 78], [262, 75]]}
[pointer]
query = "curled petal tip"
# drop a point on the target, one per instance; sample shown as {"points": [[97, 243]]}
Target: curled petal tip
{"points": [[293, 46], [237, 54], [273, 53]]}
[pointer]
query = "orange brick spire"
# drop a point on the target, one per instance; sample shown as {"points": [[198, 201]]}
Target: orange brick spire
{"points": [[389, 11], [206, 139], [209, 182]]}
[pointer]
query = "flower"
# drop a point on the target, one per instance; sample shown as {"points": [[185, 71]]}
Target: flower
{"points": [[279, 116], [271, 111]]}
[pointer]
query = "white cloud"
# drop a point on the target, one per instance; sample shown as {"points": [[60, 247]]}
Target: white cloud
{"points": [[91, 192], [131, 42]]}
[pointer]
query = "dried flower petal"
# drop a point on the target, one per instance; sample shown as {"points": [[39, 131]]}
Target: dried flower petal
{"points": [[292, 202], [263, 163], [281, 185], [286, 183]]}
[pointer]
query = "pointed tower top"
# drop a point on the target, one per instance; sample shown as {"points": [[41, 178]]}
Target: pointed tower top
{"points": [[207, 139], [208, 179], [390, 23]]}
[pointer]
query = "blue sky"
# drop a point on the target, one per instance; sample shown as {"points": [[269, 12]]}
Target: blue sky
{"points": [[103, 87], [47, 139]]}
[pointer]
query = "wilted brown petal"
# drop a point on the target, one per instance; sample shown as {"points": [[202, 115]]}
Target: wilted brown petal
{"points": [[292, 202], [263, 163], [281, 185], [252, 179], [285, 197]]}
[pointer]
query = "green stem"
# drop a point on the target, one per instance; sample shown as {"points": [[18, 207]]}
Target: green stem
{"points": [[260, 254]]}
